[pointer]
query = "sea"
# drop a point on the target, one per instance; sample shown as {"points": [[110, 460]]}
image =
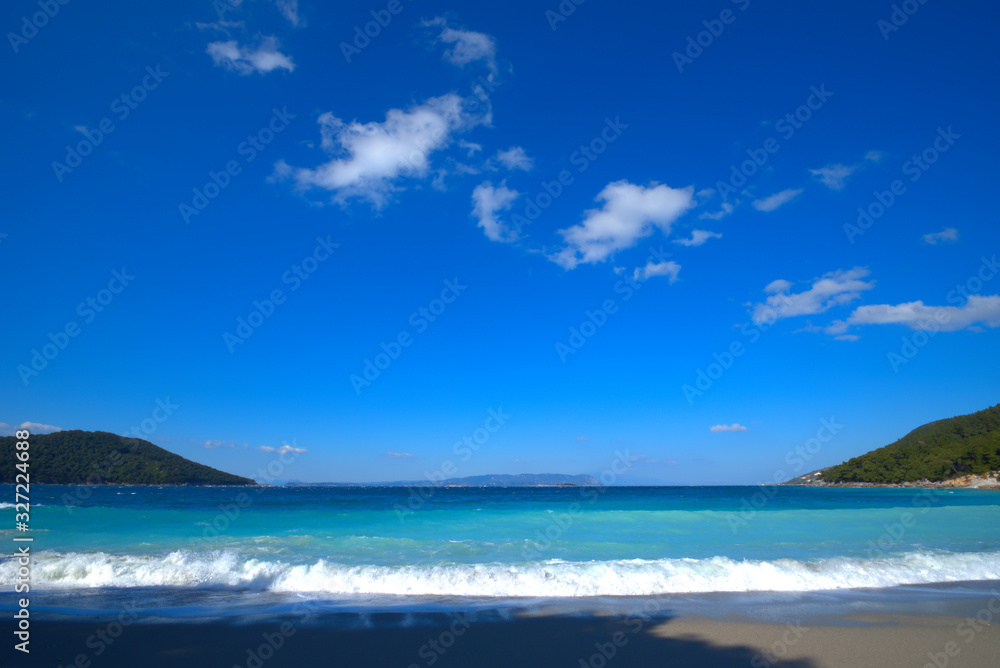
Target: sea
{"points": [[199, 552]]}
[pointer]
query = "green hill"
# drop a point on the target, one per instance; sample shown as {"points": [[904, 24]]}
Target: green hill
{"points": [[97, 457], [967, 444]]}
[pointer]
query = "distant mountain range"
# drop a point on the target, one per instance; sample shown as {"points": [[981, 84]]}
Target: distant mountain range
{"points": [[520, 480], [101, 458], [937, 451]]}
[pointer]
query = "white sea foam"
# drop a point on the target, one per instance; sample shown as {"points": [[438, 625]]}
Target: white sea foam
{"points": [[549, 578]]}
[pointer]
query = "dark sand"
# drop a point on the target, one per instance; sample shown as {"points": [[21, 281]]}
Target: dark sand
{"points": [[542, 640]]}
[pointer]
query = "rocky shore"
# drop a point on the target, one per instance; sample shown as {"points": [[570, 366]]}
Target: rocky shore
{"points": [[983, 481]]}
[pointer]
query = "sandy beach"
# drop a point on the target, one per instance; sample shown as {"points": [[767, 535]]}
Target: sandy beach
{"points": [[539, 640]]}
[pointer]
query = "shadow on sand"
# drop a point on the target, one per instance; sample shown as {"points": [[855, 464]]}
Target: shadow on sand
{"points": [[542, 641]]}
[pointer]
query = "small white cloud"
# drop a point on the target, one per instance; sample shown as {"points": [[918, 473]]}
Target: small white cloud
{"points": [[629, 213], [371, 157], [265, 58], [698, 237], [668, 268], [515, 158], [470, 147], [583, 438], [726, 209], [847, 337], [283, 450], [774, 201], [399, 455], [32, 427], [736, 426], [467, 45], [290, 10], [487, 201], [833, 176], [832, 289], [979, 310], [947, 234], [776, 286], [214, 445]]}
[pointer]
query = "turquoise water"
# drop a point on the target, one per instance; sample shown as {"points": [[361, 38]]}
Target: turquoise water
{"points": [[345, 543]]}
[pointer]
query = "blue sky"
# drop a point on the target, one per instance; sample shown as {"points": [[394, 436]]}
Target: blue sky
{"points": [[686, 234]]}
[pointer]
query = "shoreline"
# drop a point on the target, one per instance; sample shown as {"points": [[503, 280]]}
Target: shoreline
{"points": [[986, 481]]}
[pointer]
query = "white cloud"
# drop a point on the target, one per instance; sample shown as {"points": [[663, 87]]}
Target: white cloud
{"points": [[399, 455], [373, 155], [290, 10], [832, 289], [469, 146], [698, 237], [515, 158], [834, 175], [583, 438], [265, 58], [32, 427], [214, 445], [629, 213], [736, 426], [774, 201], [668, 268], [468, 45], [283, 450], [776, 286], [487, 201], [847, 337], [978, 310], [947, 234], [726, 209]]}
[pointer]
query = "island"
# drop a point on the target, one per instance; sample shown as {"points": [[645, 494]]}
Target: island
{"points": [[503, 480], [101, 458]]}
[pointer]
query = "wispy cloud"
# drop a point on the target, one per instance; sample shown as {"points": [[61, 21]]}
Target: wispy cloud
{"points": [[216, 444], [777, 199], [290, 10], [515, 158], [726, 209], [947, 234], [243, 60], [736, 426], [399, 455], [834, 175], [283, 450], [832, 289], [487, 201], [698, 237], [467, 46], [583, 438], [669, 269]]}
